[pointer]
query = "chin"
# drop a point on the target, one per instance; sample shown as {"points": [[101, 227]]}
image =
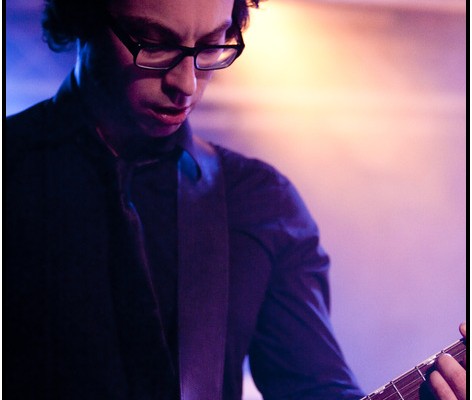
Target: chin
{"points": [[156, 130]]}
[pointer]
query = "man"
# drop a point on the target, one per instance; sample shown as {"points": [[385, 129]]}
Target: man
{"points": [[142, 262]]}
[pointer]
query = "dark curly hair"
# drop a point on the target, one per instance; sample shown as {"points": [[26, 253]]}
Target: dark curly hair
{"points": [[64, 21]]}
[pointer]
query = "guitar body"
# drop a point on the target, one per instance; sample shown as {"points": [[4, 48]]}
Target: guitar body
{"points": [[411, 385]]}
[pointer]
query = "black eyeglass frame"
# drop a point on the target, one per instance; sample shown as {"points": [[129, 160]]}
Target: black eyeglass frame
{"points": [[134, 47]]}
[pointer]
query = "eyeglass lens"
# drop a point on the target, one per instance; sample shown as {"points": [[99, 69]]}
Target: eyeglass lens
{"points": [[160, 58]]}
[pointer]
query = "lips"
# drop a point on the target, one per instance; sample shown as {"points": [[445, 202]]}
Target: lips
{"points": [[170, 115]]}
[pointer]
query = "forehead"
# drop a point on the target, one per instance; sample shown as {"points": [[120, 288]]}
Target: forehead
{"points": [[189, 18]]}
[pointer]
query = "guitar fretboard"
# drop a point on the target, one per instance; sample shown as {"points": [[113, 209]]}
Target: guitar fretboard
{"points": [[408, 386]]}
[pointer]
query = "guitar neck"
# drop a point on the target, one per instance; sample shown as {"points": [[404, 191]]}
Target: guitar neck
{"points": [[410, 384]]}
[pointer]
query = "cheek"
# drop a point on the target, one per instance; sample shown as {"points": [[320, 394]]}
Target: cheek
{"points": [[142, 85], [203, 78], [140, 91]]}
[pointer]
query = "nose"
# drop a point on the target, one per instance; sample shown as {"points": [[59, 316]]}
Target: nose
{"points": [[182, 79]]}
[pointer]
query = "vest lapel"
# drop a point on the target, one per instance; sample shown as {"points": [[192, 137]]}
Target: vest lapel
{"points": [[203, 273]]}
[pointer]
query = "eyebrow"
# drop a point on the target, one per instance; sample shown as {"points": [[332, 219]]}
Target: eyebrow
{"points": [[143, 24]]}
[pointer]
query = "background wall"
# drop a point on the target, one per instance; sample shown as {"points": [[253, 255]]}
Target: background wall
{"points": [[362, 105]]}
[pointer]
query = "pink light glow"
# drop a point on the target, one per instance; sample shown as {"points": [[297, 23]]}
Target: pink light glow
{"points": [[364, 109]]}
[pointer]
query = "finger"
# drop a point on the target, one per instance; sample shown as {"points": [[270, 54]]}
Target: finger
{"points": [[463, 329], [453, 374], [440, 387]]}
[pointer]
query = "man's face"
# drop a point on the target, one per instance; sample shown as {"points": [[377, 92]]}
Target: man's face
{"points": [[149, 102]]}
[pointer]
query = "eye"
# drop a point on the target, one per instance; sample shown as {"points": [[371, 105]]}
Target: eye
{"points": [[147, 41], [150, 43], [145, 38]]}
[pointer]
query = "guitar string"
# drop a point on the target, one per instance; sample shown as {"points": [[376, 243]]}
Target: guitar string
{"points": [[447, 350], [416, 380], [415, 389]]}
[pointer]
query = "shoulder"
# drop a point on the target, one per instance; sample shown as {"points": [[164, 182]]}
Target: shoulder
{"points": [[24, 125], [40, 130], [258, 193], [242, 172], [26, 130]]}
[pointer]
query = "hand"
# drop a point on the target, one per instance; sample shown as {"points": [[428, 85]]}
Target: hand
{"points": [[448, 381]]}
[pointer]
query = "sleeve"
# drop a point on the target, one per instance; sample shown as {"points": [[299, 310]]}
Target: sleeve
{"points": [[294, 354]]}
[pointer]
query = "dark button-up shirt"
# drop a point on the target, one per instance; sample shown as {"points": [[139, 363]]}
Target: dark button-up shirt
{"points": [[65, 335]]}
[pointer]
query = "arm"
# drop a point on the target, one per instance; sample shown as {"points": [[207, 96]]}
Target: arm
{"points": [[448, 381], [294, 353]]}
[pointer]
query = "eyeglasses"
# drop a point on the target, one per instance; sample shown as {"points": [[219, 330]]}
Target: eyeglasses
{"points": [[165, 57]]}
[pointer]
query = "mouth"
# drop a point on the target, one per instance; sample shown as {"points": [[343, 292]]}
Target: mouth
{"points": [[170, 115]]}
